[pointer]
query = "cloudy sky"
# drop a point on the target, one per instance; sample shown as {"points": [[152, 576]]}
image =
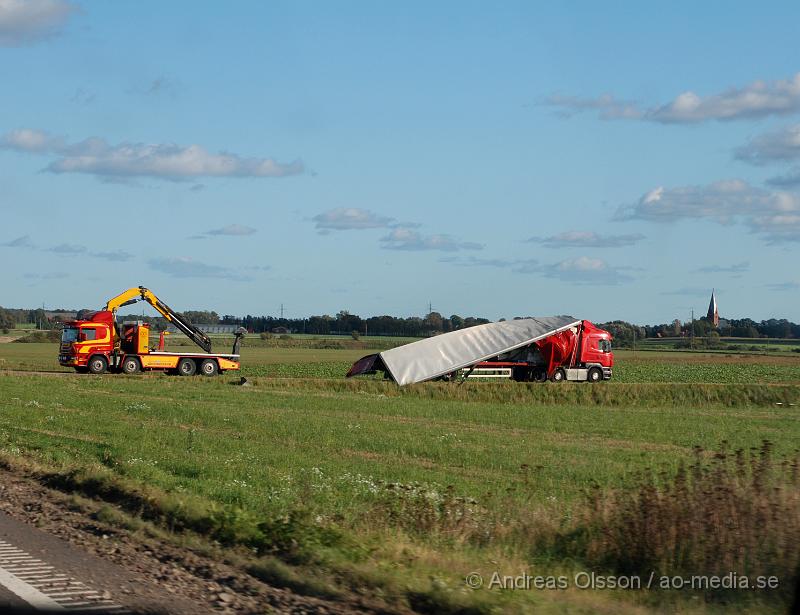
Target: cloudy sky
{"points": [[605, 161]]}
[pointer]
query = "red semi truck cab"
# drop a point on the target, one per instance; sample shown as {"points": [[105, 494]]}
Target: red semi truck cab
{"points": [[581, 353]]}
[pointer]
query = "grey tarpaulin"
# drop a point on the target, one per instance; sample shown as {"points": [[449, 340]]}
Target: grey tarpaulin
{"points": [[442, 354]]}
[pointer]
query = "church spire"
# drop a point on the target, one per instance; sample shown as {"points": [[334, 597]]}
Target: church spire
{"points": [[713, 312]]}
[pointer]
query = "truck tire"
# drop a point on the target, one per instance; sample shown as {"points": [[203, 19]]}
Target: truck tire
{"points": [[209, 367], [595, 375], [187, 367], [131, 365], [558, 376], [97, 364]]}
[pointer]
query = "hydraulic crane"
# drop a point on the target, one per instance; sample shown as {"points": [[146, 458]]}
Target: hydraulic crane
{"points": [[134, 295]]}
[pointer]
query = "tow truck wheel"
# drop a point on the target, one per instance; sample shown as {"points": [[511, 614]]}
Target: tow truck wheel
{"points": [[187, 367], [209, 367], [595, 375], [131, 365], [98, 364], [558, 375]]}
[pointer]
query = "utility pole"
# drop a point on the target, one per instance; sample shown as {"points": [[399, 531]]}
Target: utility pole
{"points": [[691, 332], [430, 307], [281, 311]]}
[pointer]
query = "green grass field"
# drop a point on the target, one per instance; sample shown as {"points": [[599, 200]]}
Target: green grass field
{"points": [[399, 492]]}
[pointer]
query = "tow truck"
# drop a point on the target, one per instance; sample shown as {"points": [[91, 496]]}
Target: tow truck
{"points": [[99, 343]]}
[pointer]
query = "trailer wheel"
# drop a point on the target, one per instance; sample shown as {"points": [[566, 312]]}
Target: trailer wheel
{"points": [[539, 375], [209, 367], [595, 375], [131, 365], [97, 364], [558, 375], [187, 367]]}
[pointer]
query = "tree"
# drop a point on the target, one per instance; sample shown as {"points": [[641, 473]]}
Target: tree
{"points": [[7, 320], [702, 327], [623, 332], [201, 317], [433, 322]]}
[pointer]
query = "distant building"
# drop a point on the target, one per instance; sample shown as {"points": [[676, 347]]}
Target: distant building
{"points": [[713, 312], [209, 328]]}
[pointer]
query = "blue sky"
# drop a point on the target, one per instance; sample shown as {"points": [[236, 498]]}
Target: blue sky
{"points": [[609, 161]]}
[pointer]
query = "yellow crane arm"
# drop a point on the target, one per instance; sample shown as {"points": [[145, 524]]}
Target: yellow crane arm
{"points": [[132, 295]]}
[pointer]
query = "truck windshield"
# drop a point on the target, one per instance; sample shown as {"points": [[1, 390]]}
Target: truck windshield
{"points": [[69, 335]]}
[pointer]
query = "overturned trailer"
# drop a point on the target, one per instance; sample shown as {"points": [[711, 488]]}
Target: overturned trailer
{"points": [[557, 348]]}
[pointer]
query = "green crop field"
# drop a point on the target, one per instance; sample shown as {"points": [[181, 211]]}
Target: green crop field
{"points": [[402, 493]]}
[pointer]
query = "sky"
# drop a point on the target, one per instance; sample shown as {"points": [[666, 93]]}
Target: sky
{"points": [[604, 160]]}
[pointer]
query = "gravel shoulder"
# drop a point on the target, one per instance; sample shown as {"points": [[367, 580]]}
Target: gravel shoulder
{"points": [[144, 574]]}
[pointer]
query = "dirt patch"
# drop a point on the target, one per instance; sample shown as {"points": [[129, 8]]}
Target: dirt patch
{"points": [[210, 585], [4, 339]]}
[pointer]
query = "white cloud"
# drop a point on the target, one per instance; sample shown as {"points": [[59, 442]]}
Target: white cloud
{"points": [[784, 286], [774, 215], [186, 267], [780, 145], [407, 239], [586, 270], [756, 100], [162, 85], [32, 141], [608, 107], [52, 275], [587, 239], [95, 156], [516, 265], [791, 179], [350, 218], [689, 291], [19, 242], [24, 22], [235, 230], [581, 270], [68, 249], [742, 267], [775, 147], [117, 256]]}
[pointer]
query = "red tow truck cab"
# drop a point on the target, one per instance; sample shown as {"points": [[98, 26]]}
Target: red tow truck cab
{"points": [[581, 353], [81, 339]]}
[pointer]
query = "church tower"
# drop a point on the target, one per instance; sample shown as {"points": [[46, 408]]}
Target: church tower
{"points": [[713, 312]]}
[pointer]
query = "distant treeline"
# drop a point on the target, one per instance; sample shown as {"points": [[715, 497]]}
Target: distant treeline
{"points": [[626, 333], [345, 323]]}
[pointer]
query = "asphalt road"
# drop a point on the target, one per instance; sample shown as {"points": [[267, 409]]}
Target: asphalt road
{"points": [[10, 600]]}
